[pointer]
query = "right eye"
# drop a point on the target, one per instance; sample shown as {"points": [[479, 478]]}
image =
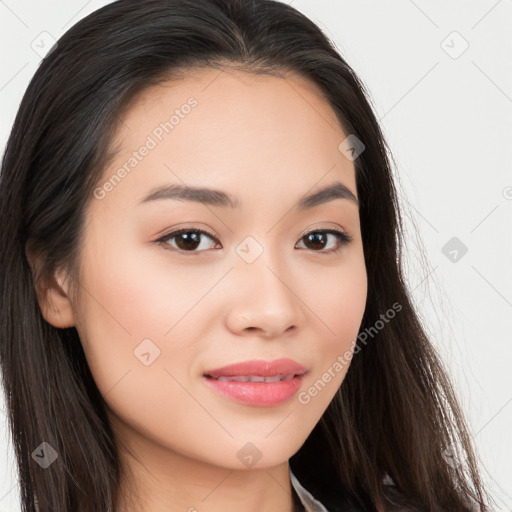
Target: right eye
{"points": [[187, 240]]}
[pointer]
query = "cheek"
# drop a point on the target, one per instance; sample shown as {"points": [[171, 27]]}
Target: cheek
{"points": [[133, 295], [341, 303], [137, 348], [132, 321], [337, 297]]}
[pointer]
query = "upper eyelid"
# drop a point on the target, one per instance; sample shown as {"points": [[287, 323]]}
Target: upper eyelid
{"points": [[214, 235]]}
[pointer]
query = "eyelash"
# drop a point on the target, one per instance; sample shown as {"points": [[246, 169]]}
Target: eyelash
{"points": [[343, 239]]}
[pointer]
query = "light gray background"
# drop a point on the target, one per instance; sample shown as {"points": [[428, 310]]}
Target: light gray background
{"points": [[447, 114]]}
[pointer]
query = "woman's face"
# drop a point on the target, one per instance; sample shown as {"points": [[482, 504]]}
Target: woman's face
{"points": [[157, 312]]}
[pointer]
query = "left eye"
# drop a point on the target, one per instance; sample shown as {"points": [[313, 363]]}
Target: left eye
{"points": [[318, 238], [189, 240]]}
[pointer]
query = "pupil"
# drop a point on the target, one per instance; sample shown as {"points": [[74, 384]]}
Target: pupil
{"points": [[316, 236], [189, 238]]}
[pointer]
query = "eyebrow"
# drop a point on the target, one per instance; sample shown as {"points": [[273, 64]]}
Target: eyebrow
{"points": [[215, 197]]}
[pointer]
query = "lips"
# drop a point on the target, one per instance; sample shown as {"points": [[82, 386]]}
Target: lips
{"points": [[258, 370], [257, 383]]}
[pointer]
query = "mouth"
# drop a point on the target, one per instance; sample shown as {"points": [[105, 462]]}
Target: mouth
{"points": [[256, 390], [257, 383]]}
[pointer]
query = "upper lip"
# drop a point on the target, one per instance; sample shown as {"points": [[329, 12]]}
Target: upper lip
{"points": [[283, 366]]}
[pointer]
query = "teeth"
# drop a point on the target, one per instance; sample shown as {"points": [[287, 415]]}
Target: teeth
{"points": [[257, 378], [274, 378]]}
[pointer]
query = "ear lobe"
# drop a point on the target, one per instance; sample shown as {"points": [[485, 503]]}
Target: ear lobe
{"points": [[52, 294]]}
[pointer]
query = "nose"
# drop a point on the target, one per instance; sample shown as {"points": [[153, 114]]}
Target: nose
{"points": [[262, 301]]}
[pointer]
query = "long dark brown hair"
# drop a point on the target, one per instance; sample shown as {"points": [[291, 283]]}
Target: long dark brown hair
{"points": [[395, 415]]}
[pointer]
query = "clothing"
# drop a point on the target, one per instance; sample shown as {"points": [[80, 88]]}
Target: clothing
{"points": [[309, 503]]}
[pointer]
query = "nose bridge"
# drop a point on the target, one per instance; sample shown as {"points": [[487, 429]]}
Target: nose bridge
{"points": [[262, 264]]}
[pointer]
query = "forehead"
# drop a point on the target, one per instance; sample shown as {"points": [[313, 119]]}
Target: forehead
{"points": [[227, 99], [222, 126]]}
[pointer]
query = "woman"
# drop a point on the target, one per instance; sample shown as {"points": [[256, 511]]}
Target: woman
{"points": [[203, 304]]}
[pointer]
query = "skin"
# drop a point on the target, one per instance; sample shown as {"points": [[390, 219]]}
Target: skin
{"points": [[268, 141]]}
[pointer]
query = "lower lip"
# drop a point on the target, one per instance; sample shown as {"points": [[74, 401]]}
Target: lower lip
{"points": [[259, 394]]}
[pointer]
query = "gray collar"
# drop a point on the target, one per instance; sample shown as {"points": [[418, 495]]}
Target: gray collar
{"points": [[310, 503]]}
